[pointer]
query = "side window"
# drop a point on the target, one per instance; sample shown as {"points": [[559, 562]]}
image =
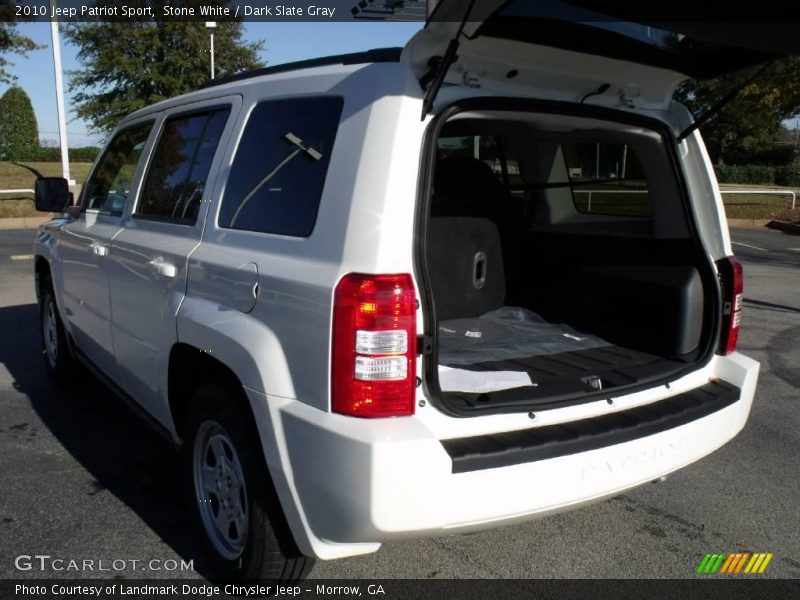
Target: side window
{"points": [[176, 177], [279, 170], [109, 186], [607, 179]]}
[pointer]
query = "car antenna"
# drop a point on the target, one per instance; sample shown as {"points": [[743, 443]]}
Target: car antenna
{"points": [[443, 66], [714, 110]]}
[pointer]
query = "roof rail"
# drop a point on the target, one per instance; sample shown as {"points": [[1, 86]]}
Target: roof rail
{"points": [[356, 58]]}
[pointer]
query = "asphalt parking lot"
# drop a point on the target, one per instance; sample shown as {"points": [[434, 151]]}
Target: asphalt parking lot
{"points": [[81, 478]]}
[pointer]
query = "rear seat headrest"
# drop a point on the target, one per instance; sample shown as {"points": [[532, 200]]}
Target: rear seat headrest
{"points": [[465, 176]]}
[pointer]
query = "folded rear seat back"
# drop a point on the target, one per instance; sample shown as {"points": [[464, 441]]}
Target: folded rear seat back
{"points": [[465, 264], [466, 186]]}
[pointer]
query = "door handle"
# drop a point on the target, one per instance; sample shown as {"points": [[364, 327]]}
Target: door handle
{"points": [[99, 249], [163, 268]]}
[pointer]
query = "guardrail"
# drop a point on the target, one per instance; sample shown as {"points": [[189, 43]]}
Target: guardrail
{"points": [[20, 191], [590, 192], [790, 193]]}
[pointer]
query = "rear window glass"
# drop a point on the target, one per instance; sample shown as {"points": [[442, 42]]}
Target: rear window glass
{"points": [[606, 179], [276, 180]]}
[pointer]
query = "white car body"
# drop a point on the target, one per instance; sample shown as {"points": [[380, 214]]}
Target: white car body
{"points": [[131, 290]]}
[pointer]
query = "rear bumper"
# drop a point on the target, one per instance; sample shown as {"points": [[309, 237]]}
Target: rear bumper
{"points": [[362, 482]]}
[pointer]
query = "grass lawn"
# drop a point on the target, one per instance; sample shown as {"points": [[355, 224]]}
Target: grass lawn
{"points": [[758, 206], [14, 176]]}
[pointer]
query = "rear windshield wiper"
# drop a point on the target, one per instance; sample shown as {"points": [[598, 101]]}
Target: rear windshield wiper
{"points": [[300, 147]]}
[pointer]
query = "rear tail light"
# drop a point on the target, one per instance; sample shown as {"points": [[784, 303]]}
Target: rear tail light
{"points": [[732, 284], [373, 368]]}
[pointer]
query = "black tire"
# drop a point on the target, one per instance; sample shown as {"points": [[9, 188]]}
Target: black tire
{"points": [[58, 359], [264, 548]]}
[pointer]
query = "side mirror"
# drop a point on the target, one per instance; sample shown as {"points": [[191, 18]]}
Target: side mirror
{"points": [[51, 194]]}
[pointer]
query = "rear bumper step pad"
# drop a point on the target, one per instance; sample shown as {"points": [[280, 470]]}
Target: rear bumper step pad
{"points": [[552, 441]]}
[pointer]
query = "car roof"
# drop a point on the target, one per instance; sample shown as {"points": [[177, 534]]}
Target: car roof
{"points": [[355, 58], [334, 64]]}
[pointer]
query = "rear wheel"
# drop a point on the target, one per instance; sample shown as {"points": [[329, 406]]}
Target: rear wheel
{"points": [[236, 504], [58, 360]]}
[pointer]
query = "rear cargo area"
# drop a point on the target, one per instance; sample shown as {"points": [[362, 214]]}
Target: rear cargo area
{"points": [[561, 262]]}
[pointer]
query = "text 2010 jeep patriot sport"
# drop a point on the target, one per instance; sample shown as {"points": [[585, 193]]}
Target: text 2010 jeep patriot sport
{"points": [[363, 326]]}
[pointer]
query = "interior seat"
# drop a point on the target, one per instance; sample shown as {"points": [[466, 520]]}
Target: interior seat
{"points": [[467, 187]]}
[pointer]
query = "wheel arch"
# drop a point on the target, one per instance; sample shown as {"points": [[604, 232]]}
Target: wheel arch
{"points": [[185, 362], [41, 272]]}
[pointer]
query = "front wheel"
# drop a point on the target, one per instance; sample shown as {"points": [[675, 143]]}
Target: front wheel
{"points": [[235, 501], [58, 359]]}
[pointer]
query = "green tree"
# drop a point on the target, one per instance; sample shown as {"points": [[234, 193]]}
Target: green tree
{"points": [[19, 133], [129, 65], [11, 42], [749, 127]]}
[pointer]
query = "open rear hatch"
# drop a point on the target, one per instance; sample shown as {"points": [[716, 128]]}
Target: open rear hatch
{"points": [[558, 259], [566, 50]]}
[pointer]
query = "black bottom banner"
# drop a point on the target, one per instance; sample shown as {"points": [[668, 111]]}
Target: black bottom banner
{"points": [[434, 589]]}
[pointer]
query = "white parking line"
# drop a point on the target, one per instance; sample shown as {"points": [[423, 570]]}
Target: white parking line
{"points": [[21, 256], [749, 246]]}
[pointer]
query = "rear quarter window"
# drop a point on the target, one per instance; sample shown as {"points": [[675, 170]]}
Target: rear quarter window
{"points": [[278, 173]]}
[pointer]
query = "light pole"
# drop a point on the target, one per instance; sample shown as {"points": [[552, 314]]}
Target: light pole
{"points": [[211, 26], [62, 120]]}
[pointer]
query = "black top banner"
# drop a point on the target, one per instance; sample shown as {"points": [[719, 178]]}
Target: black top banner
{"points": [[219, 10], [651, 11]]}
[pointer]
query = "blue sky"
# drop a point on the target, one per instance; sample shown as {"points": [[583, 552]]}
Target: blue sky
{"points": [[285, 42]]}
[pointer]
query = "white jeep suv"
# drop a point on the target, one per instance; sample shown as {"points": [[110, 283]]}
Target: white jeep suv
{"points": [[409, 292]]}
